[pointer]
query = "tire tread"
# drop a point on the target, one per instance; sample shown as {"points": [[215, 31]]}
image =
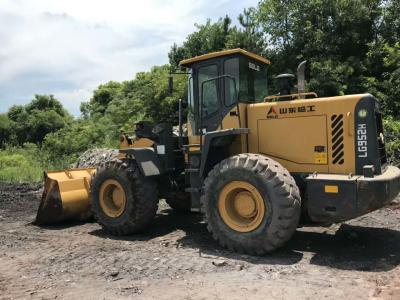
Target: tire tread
{"points": [[288, 208], [145, 198]]}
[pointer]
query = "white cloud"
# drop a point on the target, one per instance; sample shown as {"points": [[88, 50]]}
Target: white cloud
{"points": [[67, 48]]}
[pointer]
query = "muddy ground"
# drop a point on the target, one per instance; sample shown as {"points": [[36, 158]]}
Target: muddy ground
{"points": [[177, 259]]}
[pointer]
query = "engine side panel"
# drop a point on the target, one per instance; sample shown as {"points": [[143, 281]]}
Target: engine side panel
{"points": [[310, 135], [314, 145]]}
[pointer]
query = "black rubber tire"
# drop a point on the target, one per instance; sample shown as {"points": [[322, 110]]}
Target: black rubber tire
{"points": [[179, 201], [141, 197], [281, 198]]}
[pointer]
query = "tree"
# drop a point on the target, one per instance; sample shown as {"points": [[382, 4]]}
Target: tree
{"points": [[31, 122], [348, 43], [5, 129], [18, 117], [67, 143], [102, 96], [16, 112], [208, 38], [147, 98], [389, 28], [45, 103], [42, 122], [248, 36], [221, 35]]}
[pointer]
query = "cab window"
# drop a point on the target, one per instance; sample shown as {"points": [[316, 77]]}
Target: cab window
{"points": [[210, 88], [231, 68]]}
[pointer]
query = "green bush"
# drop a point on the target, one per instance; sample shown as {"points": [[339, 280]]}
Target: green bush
{"points": [[63, 147], [392, 134], [17, 165], [27, 163]]}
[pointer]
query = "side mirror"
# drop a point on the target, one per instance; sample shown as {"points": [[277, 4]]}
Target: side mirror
{"points": [[170, 84]]}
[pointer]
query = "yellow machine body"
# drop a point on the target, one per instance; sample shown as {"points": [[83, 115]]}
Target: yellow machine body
{"points": [[298, 133]]}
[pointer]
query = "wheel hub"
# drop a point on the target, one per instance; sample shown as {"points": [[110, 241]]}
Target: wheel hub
{"points": [[241, 206], [112, 198], [244, 204]]}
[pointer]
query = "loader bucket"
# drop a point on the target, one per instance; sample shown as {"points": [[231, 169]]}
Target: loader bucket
{"points": [[65, 196]]}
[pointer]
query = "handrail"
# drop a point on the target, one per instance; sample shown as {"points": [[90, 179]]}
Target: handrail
{"points": [[293, 96]]}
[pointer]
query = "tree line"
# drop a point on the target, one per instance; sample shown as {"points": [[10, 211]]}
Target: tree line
{"points": [[352, 46]]}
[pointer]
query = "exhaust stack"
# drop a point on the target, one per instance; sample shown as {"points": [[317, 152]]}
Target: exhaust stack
{"points": [[301, 78]]}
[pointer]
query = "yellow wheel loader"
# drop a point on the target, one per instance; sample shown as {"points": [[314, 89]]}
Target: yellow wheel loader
{"points": [[255, 164]]}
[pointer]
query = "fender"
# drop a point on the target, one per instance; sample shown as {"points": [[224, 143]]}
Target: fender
{"points": [[221, 138], [147, 160]]}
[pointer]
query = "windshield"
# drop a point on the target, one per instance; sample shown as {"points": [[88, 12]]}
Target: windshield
{"points": [[208, 89]]}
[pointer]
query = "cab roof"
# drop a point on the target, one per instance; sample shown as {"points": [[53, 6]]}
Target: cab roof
{"points": [[190, 61]]}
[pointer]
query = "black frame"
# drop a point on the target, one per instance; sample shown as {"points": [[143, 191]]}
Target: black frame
{"points": [[212, 122]]}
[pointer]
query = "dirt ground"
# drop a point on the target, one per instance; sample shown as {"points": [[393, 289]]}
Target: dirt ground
{"points": [[177, 259]]}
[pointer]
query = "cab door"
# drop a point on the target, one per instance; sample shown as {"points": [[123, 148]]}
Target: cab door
{"points": [[209, 95]]}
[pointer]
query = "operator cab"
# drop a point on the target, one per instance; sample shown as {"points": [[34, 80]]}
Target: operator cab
{"points": [[221, 80]]}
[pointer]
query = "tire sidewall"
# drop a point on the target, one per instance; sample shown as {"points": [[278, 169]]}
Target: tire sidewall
{"points": [[126, 185], [267, 192]]}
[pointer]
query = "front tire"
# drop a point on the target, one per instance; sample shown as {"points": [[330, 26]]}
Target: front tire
{"points": [[251, 203], [123, 200]]}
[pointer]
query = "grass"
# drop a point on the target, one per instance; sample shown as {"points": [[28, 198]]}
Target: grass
{"points": [[392, 133], [17, 168], [25, 164]]}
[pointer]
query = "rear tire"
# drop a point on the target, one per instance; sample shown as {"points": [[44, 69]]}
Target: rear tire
{"points": [[137, 197], [266, 204]]}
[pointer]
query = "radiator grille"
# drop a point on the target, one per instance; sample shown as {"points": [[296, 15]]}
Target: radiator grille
{"points": [[337, 139]]}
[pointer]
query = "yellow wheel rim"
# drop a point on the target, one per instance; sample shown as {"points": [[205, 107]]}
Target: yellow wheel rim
{"points": [[241, 206], [112, 198]]}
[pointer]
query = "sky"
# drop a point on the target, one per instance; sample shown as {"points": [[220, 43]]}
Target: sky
{"points": [[68, 47]]}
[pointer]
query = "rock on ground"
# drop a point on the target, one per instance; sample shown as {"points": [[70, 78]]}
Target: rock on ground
{"points": [[95, 157]]}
